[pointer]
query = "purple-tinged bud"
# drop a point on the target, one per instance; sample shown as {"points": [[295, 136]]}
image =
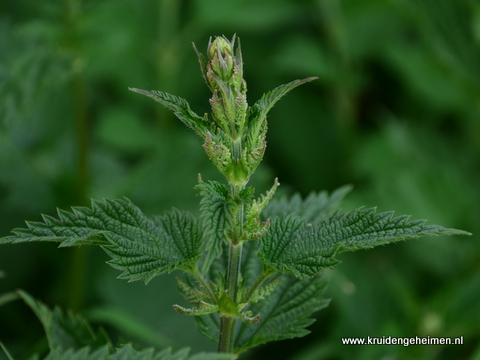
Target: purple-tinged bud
{"points": [[221, 59], [223, 73]]}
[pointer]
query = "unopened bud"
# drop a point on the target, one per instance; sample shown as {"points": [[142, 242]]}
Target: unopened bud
{"points": [[223, 65], [222, 62], [223, 72]]}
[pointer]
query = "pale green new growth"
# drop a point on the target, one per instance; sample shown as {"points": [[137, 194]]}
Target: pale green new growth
{"points": [[304, 249], [140, 247]]}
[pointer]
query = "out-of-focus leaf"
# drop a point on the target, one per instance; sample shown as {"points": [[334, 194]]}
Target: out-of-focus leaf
{"points": [[65, 331]]}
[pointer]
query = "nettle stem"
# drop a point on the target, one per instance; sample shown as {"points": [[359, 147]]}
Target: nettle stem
{"points": [[227, 332], [227, 323], [233, 271]]}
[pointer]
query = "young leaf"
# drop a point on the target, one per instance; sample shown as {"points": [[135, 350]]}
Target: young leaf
{"points": [[65, 331], [259, 111], [180, 108], [139, 247], [285, 313], [216, 207], [303, 249], [268, 100]]}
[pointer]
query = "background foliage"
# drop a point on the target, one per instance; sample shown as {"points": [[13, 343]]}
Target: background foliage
{"points": [[395, 112]]}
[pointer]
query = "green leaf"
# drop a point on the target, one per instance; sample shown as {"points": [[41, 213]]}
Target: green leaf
{"points": [[264, 292], [203, 309], [216, 207], [127, 352], [257, 125], [71, 337], [219, 154], [7, 353], [208, 326], [269, 99], [313, 208], [253, 228], [65, 331], [139, 247], [304, 249], [79, 354], [180, 108], [285, 313]]}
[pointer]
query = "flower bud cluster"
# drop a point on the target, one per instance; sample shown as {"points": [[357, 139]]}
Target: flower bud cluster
{"points": [[235, 139], [226, 143], [223, 74]]}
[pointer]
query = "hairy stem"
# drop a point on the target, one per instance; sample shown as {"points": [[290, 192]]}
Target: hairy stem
{"points": [[227, 323], [234, 260], [227, 332]]}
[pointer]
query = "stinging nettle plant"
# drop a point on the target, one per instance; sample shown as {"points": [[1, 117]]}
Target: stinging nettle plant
{"points": [[252, 266]]}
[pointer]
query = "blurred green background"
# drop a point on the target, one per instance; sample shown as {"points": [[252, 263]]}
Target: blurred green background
{"points": [[395, 112]]}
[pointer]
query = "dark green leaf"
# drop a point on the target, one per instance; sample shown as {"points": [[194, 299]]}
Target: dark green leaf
{"points": [[180, 108], [285, 314], [174, 243], [303, 249], [139, 247], [208, 326]]}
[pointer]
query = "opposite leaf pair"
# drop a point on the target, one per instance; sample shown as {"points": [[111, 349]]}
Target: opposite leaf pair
{"points": [[302, 245]]}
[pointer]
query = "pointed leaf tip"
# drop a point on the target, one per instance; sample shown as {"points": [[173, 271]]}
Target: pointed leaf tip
{"points": [[140, 91], [180, 107], [139, 247], [302, 248]]}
